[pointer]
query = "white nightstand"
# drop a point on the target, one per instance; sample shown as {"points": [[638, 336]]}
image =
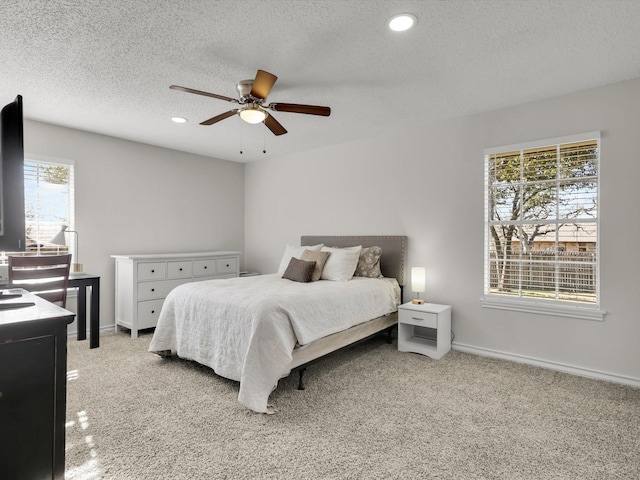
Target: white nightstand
{"points": [[424, 329]]}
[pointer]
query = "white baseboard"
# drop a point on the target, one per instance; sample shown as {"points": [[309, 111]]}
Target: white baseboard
{"points": [[103, 329], [561, 367]]}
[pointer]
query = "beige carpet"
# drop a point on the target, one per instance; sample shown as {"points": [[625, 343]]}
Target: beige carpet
{"points": [[369, 412]]}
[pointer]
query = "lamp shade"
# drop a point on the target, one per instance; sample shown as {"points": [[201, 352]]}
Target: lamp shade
{"points": [[253, 115], [418, 279], [59, 238]]}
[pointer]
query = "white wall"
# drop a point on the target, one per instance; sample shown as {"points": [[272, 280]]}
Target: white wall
{"points": [[136, 198], [428, 184]]}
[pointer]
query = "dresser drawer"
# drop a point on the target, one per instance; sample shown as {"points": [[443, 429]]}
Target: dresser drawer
{"points": [[152, 270], [204, 268], [179, 269], [226, 265], [414, 317], [160, 289], [148, 313]]}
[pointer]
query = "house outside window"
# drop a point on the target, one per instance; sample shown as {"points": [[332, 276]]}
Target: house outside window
{"points": [[541, 227], [49, 204]]}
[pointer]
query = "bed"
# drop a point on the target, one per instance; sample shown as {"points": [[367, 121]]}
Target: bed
{"points": [[256, 330]]}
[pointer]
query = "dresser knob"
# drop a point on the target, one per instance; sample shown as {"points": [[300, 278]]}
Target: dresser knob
{"points": [[180, 269], [153, 271], [153, 311], [205, 267], [153, 289]]}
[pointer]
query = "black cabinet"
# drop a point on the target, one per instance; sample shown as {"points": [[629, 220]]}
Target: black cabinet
{"points": [[33, 364]]}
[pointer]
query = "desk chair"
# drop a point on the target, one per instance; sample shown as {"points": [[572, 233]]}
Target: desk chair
{"points": [[44, 275]]}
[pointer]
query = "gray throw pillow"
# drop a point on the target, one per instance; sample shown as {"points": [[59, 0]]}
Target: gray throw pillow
{"points": [[299, 270]]}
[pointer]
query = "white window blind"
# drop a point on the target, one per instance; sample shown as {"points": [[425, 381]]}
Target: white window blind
{"points": [[49, 203], [541, 222]]}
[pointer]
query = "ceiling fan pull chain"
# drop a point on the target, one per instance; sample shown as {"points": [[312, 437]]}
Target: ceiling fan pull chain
{"points": [[241, 139], [264, 140]]}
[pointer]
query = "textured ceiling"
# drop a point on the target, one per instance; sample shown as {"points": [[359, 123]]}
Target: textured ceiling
{"points": [[106, 66]]}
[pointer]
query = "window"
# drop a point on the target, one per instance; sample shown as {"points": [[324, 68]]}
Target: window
{"points": [[541, 226], [48, 192]]}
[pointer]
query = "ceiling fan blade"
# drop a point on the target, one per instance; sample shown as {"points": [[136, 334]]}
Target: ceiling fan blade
{"points": [[262, 84], [200, 92], [297, 108], [217, 118], [273, 125]]}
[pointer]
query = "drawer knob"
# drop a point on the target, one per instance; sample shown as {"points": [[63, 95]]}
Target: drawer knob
{"points": [[153, 271], [227, 264], [180, 269], [416, 318], [153, 289], [205, 267], [153, 311]]}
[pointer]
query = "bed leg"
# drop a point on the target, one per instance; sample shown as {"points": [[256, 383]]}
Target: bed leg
{"points": [[300, 382], [389, 331]]}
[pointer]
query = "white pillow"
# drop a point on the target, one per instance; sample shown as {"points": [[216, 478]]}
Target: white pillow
{"points": [[293, 251], [341, 264]]}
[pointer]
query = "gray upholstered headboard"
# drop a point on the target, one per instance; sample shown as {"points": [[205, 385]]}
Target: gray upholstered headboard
{"points": [[394, 250]]}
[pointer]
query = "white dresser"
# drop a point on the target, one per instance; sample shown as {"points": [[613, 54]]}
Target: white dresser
{"points": [[143, 281]]}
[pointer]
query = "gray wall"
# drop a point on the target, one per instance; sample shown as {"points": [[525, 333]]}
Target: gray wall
{"points": [[136, 198], [428, 184]]}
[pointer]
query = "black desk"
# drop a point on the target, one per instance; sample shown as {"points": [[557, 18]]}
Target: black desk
{"points": [[82, 281], [33, 344]]}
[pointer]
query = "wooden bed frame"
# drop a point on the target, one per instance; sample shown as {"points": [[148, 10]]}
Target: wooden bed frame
{"points": [[392, 265]]}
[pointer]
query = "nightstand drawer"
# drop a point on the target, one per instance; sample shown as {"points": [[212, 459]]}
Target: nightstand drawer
{"points": [[414, 317]]}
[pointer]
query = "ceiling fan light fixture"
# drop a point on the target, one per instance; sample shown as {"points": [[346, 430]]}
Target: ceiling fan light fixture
{"points": [[402, 22], [253, 115], [178, 120]]}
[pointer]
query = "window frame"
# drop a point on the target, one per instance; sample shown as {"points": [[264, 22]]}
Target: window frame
{"points": [[70, 248], [547, 306]]}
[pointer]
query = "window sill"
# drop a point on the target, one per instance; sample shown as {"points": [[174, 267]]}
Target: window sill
{"points": [[544, 308]]}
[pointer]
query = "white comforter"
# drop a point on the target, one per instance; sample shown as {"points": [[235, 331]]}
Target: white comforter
{"points": [[246, 328]]}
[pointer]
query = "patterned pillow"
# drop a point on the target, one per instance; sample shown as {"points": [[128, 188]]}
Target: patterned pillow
{"points": [[299, 270], [320, 258], [369, 263]]}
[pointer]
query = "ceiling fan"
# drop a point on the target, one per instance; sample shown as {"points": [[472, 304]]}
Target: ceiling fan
{"points": [[253, 94]]}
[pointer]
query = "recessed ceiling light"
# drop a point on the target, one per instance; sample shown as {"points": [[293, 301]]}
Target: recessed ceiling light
{"points": [[178, 119], [402, 22]]}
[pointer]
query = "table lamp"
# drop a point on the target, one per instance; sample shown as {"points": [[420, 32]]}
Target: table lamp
{"points": [[418, 283], [60, 239]]}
